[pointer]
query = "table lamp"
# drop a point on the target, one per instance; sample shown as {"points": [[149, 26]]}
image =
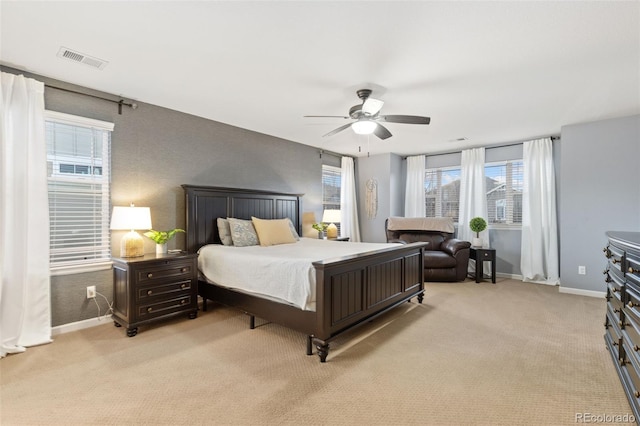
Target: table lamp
{"points": [[131, 218], [331, 217]]}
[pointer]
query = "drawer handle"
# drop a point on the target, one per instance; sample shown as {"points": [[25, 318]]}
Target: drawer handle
{"points": [[636, 348], [631, 304], [183, 286], [633, 271], [149, 275], [621, 324], [149, 292], [615, 289], [614, 261], [607, 252], [183, 270], [636, 394], [183, 301], [617, 311], [149, 309], [615, 343]]}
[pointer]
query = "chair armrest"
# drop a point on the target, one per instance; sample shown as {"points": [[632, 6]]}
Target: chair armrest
{"points": [[397, 241], [453, 245]]}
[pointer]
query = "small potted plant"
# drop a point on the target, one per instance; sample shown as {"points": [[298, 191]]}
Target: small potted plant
{"points": [[161, 238], [321, 228], [477, 225]]}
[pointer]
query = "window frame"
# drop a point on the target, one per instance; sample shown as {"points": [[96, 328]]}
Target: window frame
{"points": [[105, 262]]}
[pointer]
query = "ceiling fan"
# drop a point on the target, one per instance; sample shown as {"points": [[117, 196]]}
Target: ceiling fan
{"points": [[368, 118]]}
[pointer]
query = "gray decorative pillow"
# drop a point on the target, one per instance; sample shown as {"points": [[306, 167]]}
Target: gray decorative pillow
{"points": [[293, 231], [243, 233], [224, 230]]}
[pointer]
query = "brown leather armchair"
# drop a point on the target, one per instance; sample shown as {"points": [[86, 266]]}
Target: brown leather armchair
{"points": [[445, 258]]}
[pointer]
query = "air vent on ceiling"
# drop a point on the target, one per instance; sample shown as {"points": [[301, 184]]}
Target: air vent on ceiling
{"points": [[71, 55]]}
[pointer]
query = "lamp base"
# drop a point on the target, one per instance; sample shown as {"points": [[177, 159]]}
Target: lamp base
{"points": [[332, 231], [132, 245]]}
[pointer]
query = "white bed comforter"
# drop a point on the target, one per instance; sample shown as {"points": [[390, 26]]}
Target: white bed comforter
{"points": [[283, 272]]}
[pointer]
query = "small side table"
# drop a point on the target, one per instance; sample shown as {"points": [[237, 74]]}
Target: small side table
{"points": [[481, 255], [344, 239]]}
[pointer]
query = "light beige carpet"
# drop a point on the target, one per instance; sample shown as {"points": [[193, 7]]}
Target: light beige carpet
{"points": [[503, 354]]}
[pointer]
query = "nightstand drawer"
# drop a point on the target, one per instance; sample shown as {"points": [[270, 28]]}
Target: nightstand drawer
{"points": [[156, 309], [163, 271], [168, 289]]}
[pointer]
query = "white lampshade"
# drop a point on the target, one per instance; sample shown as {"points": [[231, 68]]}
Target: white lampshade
{"points": [[331, 216], [131, 218], [364, 127]]}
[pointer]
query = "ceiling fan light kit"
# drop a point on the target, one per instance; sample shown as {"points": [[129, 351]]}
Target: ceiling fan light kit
{"points": [[364, 127], [368, 118]]}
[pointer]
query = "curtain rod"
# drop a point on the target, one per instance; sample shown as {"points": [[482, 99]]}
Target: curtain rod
{"points": [[553, 138], [335, 154], [120, 103]]}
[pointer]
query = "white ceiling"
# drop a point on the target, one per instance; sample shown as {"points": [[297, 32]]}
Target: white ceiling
{"points": [[493, 72]]}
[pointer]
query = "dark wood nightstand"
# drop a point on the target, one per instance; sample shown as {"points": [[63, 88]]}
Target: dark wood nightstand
{"points": [[339, 239], [154, 287], [481, 255]]}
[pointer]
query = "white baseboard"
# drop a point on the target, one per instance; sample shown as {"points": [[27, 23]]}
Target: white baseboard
{"points": [[581, 292], [510, 276], [79, 325]]}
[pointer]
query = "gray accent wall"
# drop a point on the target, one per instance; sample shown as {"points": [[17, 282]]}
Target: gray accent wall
{"points": [[599, 192], [154, 151], [387, 170]]}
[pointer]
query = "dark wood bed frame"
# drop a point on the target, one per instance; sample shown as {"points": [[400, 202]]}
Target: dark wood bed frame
{"points": [[350, 290]]}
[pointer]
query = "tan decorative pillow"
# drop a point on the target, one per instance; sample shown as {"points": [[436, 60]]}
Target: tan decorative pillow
{"points": [[272, 232]]}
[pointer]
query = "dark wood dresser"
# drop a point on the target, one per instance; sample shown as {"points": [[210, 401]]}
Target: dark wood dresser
{"points": [[154, 287], [622, 322]]}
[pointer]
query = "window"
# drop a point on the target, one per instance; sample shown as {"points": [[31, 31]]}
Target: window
{"points": [[331, 180], [504, 192], [79, 163], [442, 192]]}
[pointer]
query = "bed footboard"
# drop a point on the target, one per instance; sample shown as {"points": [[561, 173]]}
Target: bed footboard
{"points": [[355, 289]]}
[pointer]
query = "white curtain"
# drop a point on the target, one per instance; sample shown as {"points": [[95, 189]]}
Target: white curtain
{"points": [[349, 226], [539, 258], [414, 198], [473, 194], [25, 317]]}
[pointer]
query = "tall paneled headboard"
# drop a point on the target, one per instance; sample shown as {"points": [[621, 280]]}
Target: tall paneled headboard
{"points": [[205, 204]]}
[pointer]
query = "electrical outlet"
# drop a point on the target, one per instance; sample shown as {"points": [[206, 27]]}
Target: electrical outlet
{"points": [[582, 270], [91, 292]]}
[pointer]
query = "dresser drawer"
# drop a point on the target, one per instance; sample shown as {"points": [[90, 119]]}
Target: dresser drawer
{"points": [[615, 286], [163, 271], [630, 368], [631, 338], [162, 307], [613, 331], [616, 259], [164, 290]]}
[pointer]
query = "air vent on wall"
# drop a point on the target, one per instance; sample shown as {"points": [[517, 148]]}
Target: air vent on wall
{"points": [[71, 55]]}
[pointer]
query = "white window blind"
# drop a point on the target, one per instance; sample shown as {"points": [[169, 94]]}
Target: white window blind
{"points": [[331, 183], [79, 170], [504, 192], [442, 192]]}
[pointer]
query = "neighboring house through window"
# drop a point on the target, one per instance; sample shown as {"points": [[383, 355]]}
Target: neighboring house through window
{"points": [[78, 163]]}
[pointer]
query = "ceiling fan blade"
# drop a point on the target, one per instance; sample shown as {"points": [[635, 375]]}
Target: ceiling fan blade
{"points": [[372, 106], [382, 132], [339, 129], [405, 119], [326, 116]]}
